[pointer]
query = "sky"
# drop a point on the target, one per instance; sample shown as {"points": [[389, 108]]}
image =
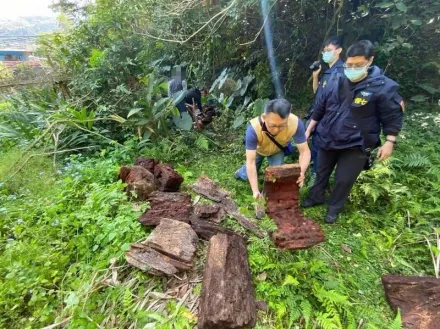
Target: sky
{"points": [[15, 8]]}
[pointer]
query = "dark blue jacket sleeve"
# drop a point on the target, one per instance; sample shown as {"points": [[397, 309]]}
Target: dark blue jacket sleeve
{"points": [[321, 103], [389, 109]]}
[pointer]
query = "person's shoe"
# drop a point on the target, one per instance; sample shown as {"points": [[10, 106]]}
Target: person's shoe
{"points": [[308, 203], [237, 174], [330, 218]]}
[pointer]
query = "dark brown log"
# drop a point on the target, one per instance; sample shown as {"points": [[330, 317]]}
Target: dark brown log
{"points": [[167, 179], [228, 297], [206, 187], [418, 299], [206, 229], [174, 239], [212, 212], [139, 181], [147, 163], [282, 195], [175, 206]]}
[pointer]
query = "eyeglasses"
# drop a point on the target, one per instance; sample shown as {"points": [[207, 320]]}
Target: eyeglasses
{"points": [[275, 126], [355, 66]]}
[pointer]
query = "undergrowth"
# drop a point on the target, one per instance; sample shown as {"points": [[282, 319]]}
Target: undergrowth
{"points": [[63, 231]]}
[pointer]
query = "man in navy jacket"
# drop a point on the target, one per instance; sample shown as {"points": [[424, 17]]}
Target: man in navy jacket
{"points": [[331, 55], [351, 113]]}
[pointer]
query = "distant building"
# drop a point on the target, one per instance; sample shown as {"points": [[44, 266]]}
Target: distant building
{"points": [[15, 55]]}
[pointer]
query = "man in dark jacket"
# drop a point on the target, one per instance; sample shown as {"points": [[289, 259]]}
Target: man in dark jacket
{"points": [[331, 55], [351, 114]]}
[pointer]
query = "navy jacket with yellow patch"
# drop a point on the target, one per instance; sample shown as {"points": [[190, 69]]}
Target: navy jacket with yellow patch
{"points": [[353, 114]]}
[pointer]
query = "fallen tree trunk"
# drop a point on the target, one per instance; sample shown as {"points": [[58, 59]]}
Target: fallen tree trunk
{"points": [[417, 297], [207, 188], [228, 296]]}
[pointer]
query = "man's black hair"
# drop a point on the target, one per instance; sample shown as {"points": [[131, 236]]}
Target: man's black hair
{"points": [[361, 48], [279, 106], [335, 40]]}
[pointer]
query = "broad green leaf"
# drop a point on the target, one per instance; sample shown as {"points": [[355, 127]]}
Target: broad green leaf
{"points": [[134, 111], [417, 22], [402, 7], [183, 122], [384, 5], [238, 121], [290, 280], [419, 98]]}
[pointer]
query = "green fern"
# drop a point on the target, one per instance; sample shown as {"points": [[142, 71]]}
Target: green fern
{"points": [[202, 143], [307, 311], [416, 160], [397, 323], [325, 321]]}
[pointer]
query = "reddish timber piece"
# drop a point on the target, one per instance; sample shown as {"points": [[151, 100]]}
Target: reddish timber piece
{"points": [[139, 181], [173, 205], [167, 180], [282, 195], [147, 163], [417, 297]]}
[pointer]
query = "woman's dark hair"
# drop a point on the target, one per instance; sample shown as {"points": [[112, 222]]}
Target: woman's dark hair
{"points": [[279, 106], [361, 48]]}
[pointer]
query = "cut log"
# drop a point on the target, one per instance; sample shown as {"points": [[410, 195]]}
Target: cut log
{"points": [[175, 206], [228, 297], [139, 181], [213, 212], [206, 229], [174, 239], [147, 163], [207, 188], [167, 180], [282, 195], [417, 297]]}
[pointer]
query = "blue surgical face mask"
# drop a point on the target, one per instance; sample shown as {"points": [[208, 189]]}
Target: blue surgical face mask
{"points": [[328, 56], [355, 73]]}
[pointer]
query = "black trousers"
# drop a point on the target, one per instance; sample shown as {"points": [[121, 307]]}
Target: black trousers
{"points": [[349, 164]]}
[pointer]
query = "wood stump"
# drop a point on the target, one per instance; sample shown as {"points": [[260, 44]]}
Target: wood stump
{"points": [[282, 195], [228, 298], [169, 248], [173, 205], [139, 181], [167, 180], [418, 299]]}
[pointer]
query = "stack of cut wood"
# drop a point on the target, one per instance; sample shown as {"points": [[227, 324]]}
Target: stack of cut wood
{"points": [[282, 194], [227, 299]]}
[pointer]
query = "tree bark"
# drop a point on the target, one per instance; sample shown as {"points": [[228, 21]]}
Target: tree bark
{"points": [[228, 297]]}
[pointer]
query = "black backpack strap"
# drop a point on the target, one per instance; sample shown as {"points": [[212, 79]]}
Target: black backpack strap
{"points": [[264, 129]]}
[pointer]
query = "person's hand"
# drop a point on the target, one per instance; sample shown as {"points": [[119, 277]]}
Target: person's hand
{"points": [[308, 133], [385, 151], [257, 195], [316, 72], [300, 180]]}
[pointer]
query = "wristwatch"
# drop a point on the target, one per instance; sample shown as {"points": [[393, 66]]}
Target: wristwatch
{"points": [[391, 141]]}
